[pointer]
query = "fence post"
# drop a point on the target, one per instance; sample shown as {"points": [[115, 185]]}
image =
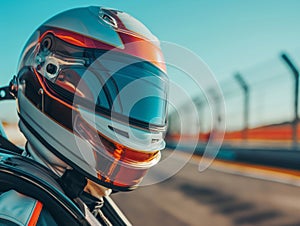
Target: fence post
{"points": [[199, 103], [295, 72], [216, 106], [245, 88]]}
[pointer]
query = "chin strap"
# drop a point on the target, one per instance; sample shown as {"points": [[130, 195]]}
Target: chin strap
{"points": [[9, 92]]}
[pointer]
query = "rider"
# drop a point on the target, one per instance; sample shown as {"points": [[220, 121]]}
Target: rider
{"points": [[91, 92]]}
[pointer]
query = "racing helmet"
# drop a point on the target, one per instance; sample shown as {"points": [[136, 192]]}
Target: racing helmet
{"points": [[92, 91]]}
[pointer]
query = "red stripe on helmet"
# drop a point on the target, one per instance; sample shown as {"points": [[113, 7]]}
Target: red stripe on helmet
{"points": [[133, 45]]}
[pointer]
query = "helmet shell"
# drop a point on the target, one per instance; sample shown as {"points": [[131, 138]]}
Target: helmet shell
{"points": [[80, 128]]}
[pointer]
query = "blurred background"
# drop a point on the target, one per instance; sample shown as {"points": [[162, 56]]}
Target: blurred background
{"points": [[253, 49]]}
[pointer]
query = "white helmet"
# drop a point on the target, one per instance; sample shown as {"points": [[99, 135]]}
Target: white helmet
{"points": [[92, 90]]}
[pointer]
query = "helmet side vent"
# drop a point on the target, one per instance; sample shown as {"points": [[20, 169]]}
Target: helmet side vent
{"points": [[118, 131], [108, 19]]}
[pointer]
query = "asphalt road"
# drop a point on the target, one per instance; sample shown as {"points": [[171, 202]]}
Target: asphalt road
{"points": [[215, 197]]}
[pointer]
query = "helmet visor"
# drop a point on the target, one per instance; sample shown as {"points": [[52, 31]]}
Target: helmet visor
{"points": [[115, 85]]}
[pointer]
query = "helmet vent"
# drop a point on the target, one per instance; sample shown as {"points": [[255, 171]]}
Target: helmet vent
{"points": [[47, 43], [108, 19], [118, 131]]}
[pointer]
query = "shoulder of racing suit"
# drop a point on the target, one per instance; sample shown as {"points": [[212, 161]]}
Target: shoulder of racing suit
{"points": [[20, 210], [30, 192]]}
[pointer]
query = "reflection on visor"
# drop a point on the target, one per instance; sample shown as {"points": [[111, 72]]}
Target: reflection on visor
{"points": [[116, 87]]}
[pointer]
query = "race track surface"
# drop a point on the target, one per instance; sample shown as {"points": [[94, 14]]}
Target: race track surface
{"points": [[217, 196]]}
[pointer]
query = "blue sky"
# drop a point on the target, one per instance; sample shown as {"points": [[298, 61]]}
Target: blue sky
{"points": [[228, 35]]}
